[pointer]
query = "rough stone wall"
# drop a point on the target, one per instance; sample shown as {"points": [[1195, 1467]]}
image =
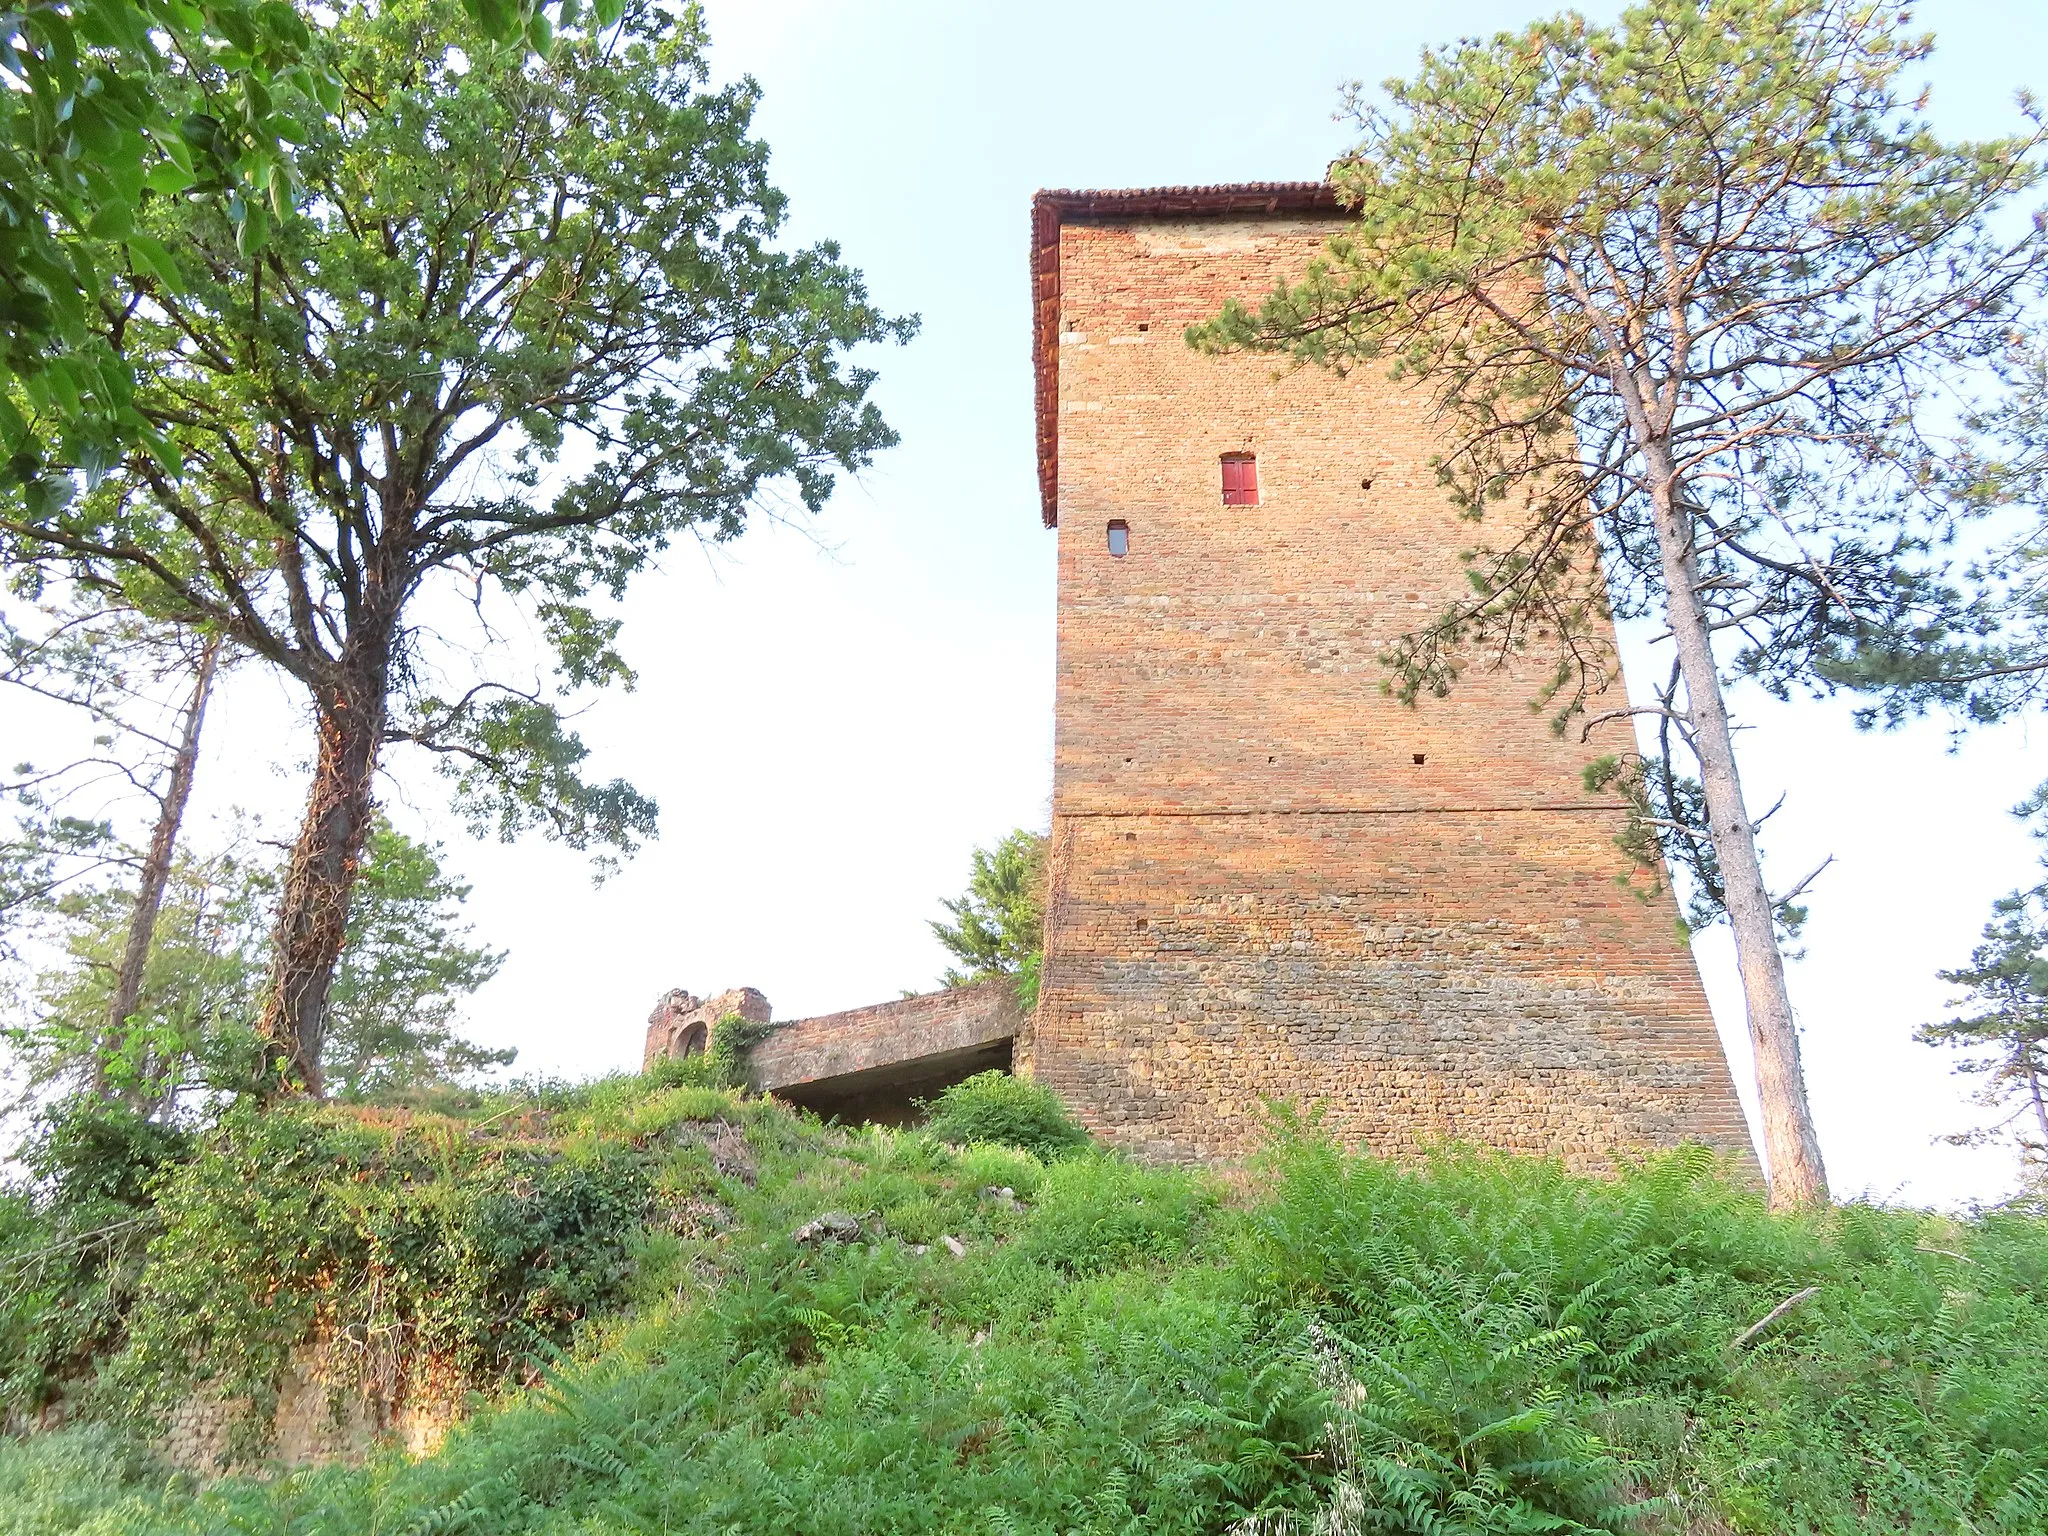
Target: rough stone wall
{"points": [[681, 1024], [322, 1414], [1270, 878]]}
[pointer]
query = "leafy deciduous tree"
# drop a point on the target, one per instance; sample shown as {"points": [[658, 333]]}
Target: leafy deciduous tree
{"points": [[103, 104], [527, 328], [1690, 292], [189, 1029], [405, 971]]}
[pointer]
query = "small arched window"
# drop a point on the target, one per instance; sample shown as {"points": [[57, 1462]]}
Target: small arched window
{"points": [[1240, 480], [693, 1041], [1119, 538]]}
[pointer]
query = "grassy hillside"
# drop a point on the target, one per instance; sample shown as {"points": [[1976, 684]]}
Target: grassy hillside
{"points": [[1474, 1345]]}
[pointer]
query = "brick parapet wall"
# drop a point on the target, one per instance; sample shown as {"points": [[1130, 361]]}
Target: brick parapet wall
{"points": [[835, 1045], [1257, 889]]}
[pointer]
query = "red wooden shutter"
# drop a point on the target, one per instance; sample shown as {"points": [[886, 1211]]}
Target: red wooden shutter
{"points": [[1240, 480]]}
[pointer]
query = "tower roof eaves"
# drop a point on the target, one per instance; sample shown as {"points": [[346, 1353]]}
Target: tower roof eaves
{"points": [[1051, 209]]}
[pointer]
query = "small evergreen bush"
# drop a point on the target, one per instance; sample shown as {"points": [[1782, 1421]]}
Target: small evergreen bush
{"points": [[994, 1106]]}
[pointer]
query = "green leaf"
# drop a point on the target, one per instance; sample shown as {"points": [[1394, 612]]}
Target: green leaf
{"points": [[236, 26], [327, 91], [167, 178], [284, 25], [176, 147], [253, 232], [48, 495], [499, 18], [112, 222], [151, 255], [202, 131]]}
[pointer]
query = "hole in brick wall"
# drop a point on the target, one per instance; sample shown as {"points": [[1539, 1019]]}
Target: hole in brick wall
{"points": [[1365, 484], [1130, 837], [1418, 759], [1143, 326], [1269, 759], [1128, 761], [1119, 538], [1141, 925]]}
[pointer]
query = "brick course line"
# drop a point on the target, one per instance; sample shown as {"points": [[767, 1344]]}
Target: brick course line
{"points": [[1595, 808]]}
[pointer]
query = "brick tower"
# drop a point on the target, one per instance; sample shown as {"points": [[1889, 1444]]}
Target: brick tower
{"points": [[1269, 879]]}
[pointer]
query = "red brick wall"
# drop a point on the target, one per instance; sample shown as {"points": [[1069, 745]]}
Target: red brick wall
{"points": [[1257, 890]]}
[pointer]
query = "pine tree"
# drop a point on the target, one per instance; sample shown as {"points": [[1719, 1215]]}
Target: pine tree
{"points": [[1693, 294], [998, 926]]}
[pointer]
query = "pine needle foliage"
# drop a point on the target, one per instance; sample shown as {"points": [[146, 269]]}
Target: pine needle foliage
{"points": [[998, 926], [1462, 1345]]}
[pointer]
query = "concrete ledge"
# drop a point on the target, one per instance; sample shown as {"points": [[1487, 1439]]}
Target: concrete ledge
{"points": [[874, 1061]]}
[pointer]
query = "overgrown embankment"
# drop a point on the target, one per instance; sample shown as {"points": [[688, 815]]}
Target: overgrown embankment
{"points": [[978, 1340]]}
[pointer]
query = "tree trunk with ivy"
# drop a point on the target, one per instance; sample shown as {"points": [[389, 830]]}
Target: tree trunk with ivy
{"points": [[312, 920]]}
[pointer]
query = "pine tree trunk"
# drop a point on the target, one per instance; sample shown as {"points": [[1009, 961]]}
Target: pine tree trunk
{"points": [[312, 917], [2040, 1114], [156, 869], [1797, 1175]]}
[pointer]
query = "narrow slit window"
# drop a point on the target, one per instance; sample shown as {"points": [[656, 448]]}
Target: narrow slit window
{"points": [[1240, 480], [1119, 538]]}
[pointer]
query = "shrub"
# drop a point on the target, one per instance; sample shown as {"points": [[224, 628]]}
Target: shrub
{"points": [[1011, 1111], [87, 1477], [72, 1245], [1099, 1213], [420, 1237]]}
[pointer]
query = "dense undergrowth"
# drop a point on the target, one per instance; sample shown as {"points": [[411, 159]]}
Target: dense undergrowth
{"points": [[1474, 1344]]}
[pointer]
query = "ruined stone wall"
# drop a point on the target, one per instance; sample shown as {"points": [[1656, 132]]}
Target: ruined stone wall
{"points": [[681, 1023], [1270, 878], [324, 1412]]}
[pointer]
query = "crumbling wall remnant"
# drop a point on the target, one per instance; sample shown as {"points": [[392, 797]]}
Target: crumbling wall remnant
{"points": [[681, 1023]]}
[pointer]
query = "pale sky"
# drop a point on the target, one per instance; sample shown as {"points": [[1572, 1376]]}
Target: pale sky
{"points": [[832, 722]]}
